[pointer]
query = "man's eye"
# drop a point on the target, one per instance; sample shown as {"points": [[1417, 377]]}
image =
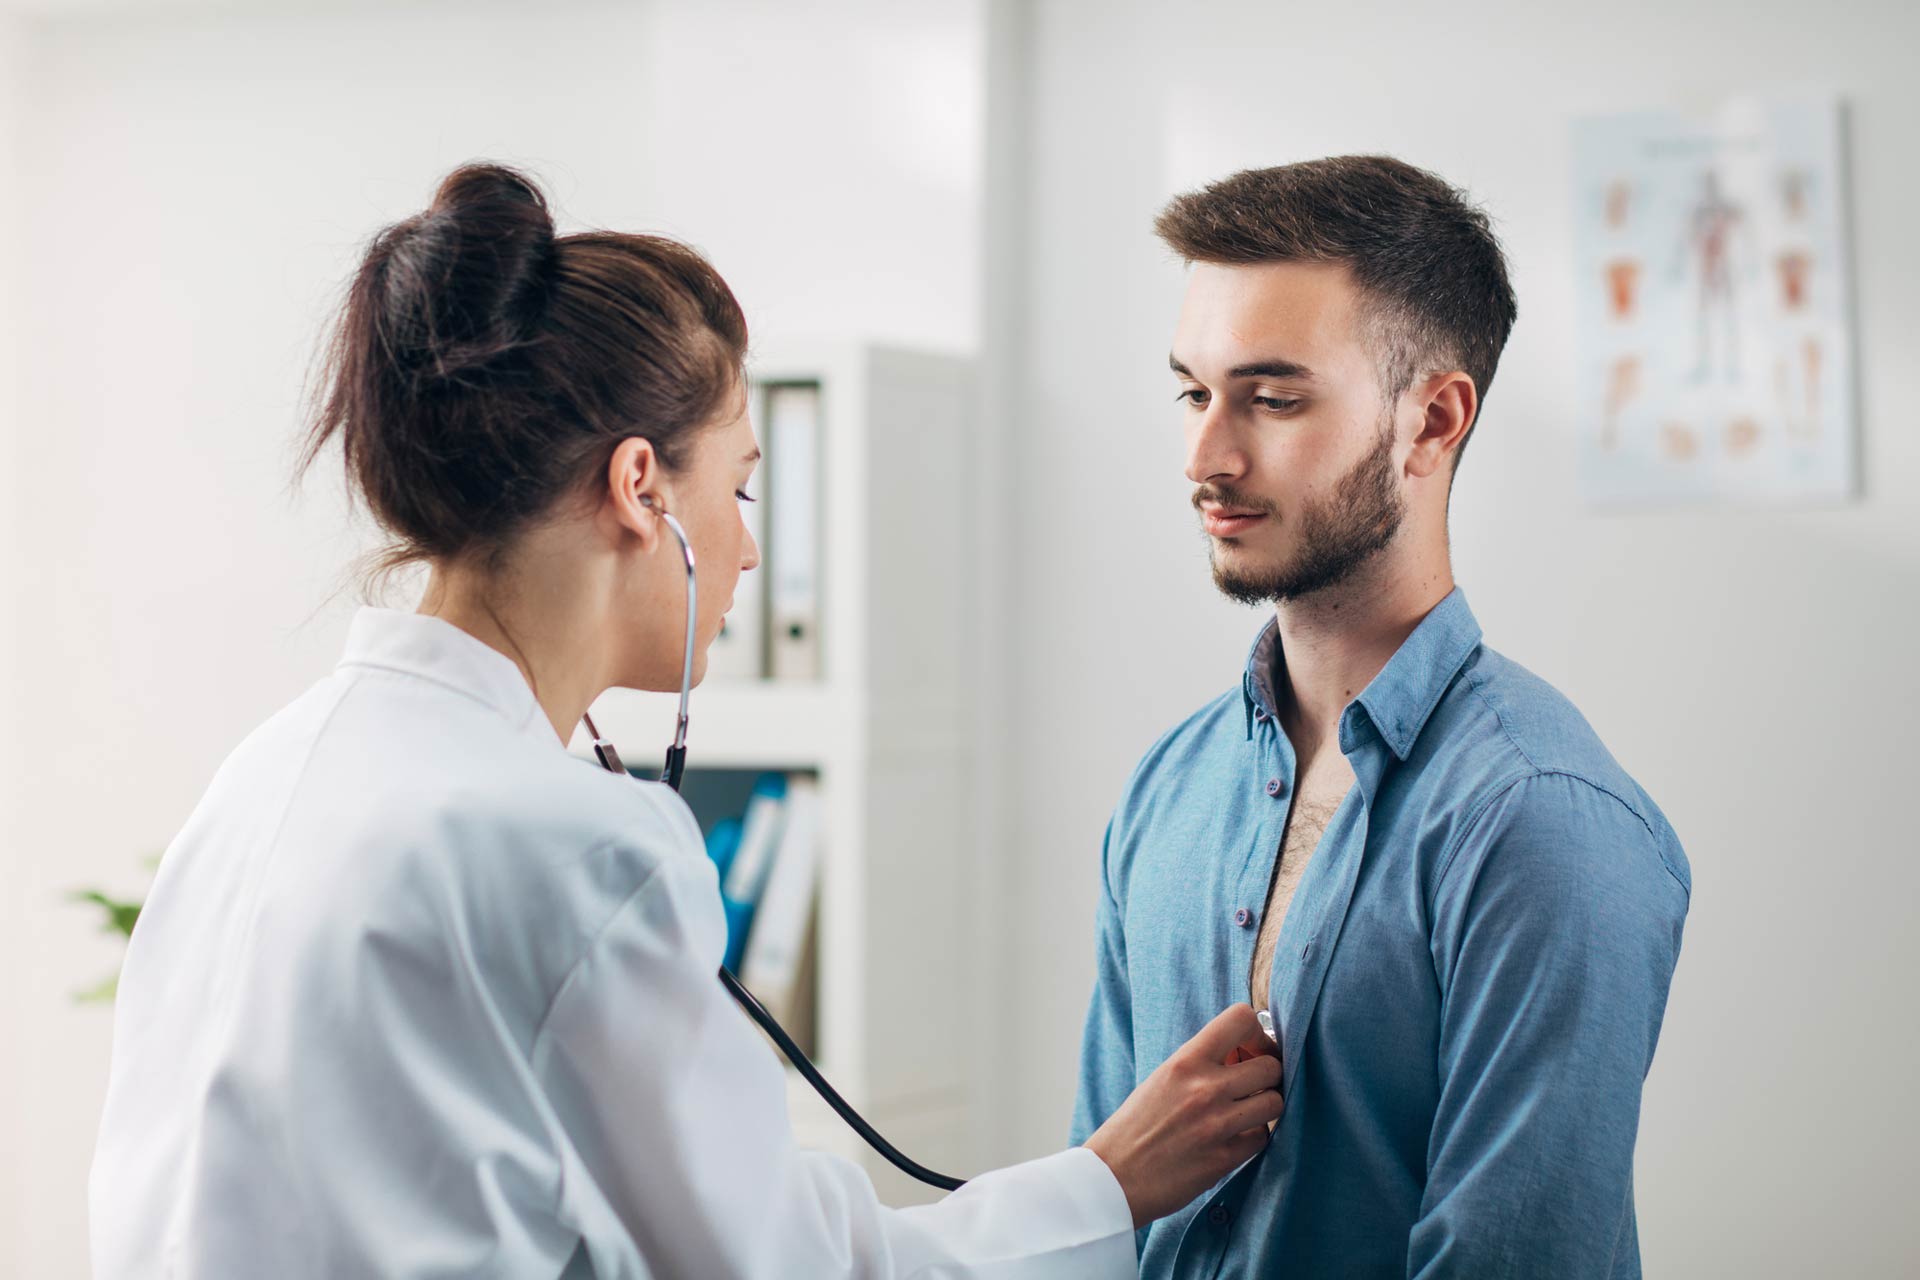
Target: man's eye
{"points": [[1274, 404], [1195, 396]]}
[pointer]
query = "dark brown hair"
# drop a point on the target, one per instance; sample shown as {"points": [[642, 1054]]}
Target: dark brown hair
{"points": [[1424, 257], [481, 369]]}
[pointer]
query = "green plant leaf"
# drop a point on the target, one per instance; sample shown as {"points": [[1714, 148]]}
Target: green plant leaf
{"points": [[121, 916], [99, 994]]}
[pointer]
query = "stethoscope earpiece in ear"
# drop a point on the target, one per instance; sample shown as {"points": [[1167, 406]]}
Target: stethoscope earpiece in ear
{"points": [[677, 753]]}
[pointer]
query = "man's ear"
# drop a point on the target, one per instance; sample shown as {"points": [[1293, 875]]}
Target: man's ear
{"points": [[636, 479], [1448, 404]]}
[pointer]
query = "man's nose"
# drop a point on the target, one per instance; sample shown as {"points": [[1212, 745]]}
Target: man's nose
{"points": [[1212, 453]]}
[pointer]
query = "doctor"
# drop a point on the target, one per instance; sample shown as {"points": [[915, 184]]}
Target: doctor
{"points": [[419, 994]]}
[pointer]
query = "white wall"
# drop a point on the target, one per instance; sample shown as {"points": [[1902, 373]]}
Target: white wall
{"points": [[12, 745], [194, 186], [1753, 668]]}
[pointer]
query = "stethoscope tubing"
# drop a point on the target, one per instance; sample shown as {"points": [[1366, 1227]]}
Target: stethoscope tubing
{"points": [[672, 775], [840, 1105]]}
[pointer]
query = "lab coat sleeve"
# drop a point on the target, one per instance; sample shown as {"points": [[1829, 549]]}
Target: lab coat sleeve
{"points": [[1106, 1044], [678, 1108], [1556, 930]]}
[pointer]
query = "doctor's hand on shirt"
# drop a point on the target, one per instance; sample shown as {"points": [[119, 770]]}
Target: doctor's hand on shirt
{"points": [[1200, 1116]]}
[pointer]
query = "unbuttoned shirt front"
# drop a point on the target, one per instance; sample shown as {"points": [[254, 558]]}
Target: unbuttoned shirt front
{"points": [[1467, 988]]}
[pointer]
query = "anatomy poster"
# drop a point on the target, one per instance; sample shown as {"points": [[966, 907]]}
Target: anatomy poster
{"points": [[1716, 359]]}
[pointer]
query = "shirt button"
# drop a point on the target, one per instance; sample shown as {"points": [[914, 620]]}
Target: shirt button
{"points": [[1275, 786], [1243, 917], [1260, 714], [1218, 1215]]}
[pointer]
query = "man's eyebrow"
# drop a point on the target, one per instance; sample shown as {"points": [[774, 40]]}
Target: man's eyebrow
{"points": [[1272, 369], [1258, 369]]}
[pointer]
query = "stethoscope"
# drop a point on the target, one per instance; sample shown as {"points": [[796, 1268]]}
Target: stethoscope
{"points": [[675, 769]]}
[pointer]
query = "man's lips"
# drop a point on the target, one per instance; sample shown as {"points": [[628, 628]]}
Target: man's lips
{"points": [[1224, 522]]}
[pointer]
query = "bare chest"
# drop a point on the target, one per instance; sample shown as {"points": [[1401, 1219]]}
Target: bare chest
{"points": [[1314, 805]]}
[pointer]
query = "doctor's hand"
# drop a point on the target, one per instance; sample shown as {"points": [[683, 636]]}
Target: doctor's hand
{"points": [[1197, 1118]]}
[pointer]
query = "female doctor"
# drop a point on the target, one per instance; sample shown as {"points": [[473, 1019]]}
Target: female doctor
{"points": [[416, 992]]}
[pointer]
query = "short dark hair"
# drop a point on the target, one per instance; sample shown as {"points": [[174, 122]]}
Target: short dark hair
{"points": [[482, 367], [1432, 276]]}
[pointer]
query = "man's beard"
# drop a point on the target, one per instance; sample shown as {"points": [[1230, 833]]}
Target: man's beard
{"points": [[1334, 539]]}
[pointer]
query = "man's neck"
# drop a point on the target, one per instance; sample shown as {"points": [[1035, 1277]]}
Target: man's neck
{"points": [[1334, 642]]}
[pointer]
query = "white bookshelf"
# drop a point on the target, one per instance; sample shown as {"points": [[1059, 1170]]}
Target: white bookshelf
{"points": [[886, 731]]}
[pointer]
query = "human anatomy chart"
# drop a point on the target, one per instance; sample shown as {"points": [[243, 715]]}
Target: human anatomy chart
{"points": [[1712, 283]]}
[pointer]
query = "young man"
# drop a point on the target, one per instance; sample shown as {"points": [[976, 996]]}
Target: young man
{"points": [[1461, 912]]}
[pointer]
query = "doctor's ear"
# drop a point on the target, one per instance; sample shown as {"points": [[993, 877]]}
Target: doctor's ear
{"points": [[636, 490]]}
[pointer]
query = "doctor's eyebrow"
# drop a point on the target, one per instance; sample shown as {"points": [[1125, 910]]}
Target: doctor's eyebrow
{"points": [[752, 457], [1258, 369]]}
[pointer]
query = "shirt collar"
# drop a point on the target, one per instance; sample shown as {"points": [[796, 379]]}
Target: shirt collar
{"points": [[1403, 695], [436, 650]]}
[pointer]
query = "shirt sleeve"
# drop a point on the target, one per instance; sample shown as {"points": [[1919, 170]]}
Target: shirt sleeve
{"points": [[1555, 934], [1106, 1045], [678, 1110]]}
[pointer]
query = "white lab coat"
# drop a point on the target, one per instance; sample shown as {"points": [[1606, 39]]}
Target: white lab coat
{"points": [[419, 994]]}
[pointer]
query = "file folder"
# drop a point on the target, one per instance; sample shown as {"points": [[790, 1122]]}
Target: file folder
{"points": [[792, 552], [776, 945]]}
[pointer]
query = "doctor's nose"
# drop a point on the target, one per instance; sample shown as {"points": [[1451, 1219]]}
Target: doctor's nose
{"points": [[749, 554]]}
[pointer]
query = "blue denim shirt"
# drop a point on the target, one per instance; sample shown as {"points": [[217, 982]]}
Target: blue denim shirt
{"points": [[1467, 988]]}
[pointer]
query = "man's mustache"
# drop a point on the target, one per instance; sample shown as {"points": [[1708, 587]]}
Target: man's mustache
{"points": [[1233, 500]]}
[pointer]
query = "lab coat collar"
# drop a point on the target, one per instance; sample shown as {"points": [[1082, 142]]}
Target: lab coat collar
{"points": [[1402, 696], [432, 649]]}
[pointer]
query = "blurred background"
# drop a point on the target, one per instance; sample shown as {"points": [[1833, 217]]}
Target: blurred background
{"points": [[184, 188]]}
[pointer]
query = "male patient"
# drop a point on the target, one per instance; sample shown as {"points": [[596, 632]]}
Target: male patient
{"points": [[1462, 913]]}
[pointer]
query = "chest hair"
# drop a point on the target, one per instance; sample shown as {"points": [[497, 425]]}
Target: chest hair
{"points": [[1313, 809]]}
